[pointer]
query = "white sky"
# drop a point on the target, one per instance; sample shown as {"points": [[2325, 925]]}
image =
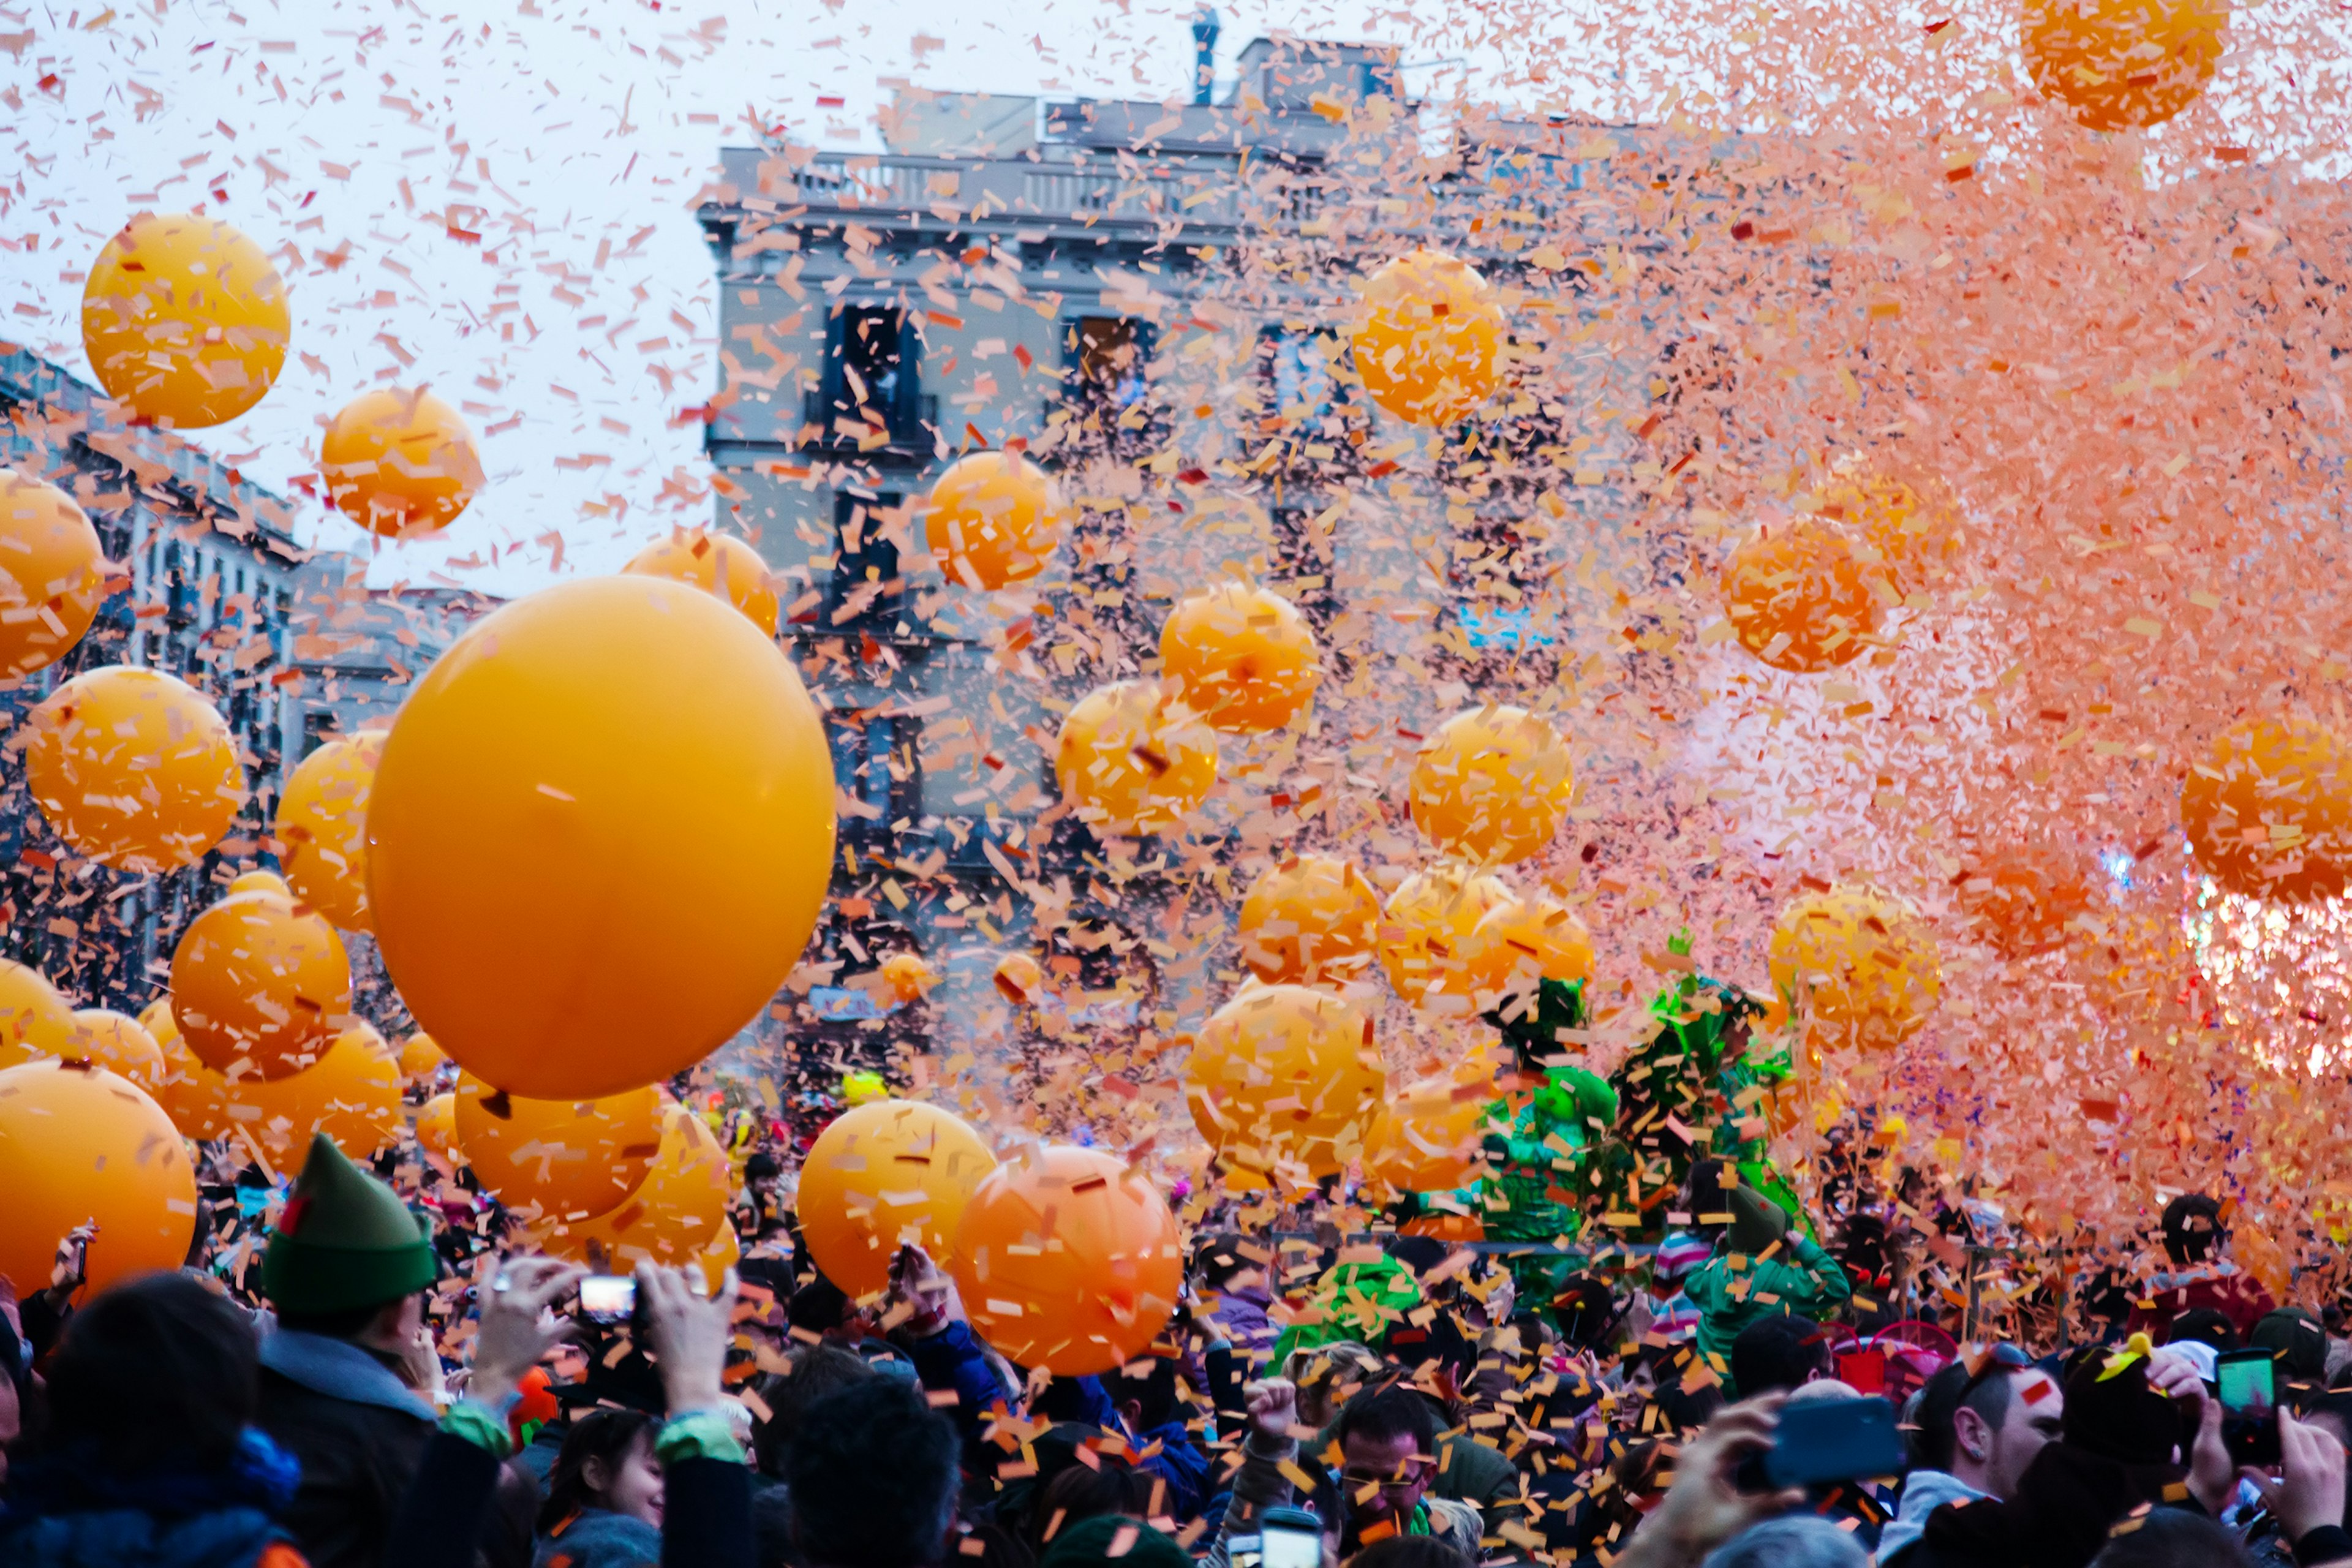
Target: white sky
{"points": [[572, 134]]}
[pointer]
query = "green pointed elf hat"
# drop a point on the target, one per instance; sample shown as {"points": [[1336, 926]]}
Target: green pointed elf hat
{"points": [[345, 1240]]}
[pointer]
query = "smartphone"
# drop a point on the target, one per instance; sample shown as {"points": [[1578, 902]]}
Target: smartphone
{"points": [[2248, 1380], [608, 1298], [1289, 1538], [1834, 1440]]}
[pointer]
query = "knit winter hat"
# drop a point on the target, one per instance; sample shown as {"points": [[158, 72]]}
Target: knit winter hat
{"points": [[345, 1240], [2296, 1341], [1757, 1222]]}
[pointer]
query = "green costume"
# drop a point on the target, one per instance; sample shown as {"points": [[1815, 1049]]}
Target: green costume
{"points": [[1359, 1301], [1762, 1268]]}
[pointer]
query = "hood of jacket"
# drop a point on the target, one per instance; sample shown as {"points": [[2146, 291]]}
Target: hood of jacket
{"points": [[1923, 1492]]}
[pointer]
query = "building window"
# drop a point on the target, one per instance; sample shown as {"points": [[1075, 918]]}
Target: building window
{"points": [[871, 396], [1107, 385], [1310, 401], [866, 590], [876, 764]]}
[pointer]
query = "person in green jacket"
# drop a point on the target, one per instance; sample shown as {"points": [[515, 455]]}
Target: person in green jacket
{"points": [[1763, 1266], [1541, 1154]]}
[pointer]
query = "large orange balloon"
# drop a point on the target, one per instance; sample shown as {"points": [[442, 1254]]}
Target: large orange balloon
{"points": [[2118, 64], [79, 1144], [1129, 764], [1494, 783], [601, 832], [1067, 1261], [889, 1171], [323, 825], [559, 1158], [2020, 899], [133, 768], [195, 1098], [1515, 946], [1798, 595], [259, 989], [1428, 1137], [1427, 930], [1241, 656], [351, 1095], [2268, 811], [1286, 1075], [120, 1044], [716, 564], [993, 518], [35, 1023], [672, 1217], [52, 573], [1426, 334], [1312, 919], [1859, 964], [400, 463], [184, 320]]}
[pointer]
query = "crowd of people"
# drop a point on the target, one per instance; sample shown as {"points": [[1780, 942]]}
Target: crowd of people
{"points": [[334, 1380]]}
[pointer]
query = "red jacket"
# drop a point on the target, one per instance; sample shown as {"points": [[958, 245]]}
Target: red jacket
{"points": [[2237, 1295]]}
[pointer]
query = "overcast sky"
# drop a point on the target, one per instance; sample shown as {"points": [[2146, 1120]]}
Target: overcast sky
{"points": [[572, 137]]}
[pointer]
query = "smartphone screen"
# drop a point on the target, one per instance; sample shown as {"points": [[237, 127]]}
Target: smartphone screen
{"points": [[608, 1298], [2248, 1389], [1834, 1440], [1283, 1546]]}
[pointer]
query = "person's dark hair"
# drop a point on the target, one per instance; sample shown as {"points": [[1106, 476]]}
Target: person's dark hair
{"points": [[1409, 1551], [2171, 1538], [340, 1324], [818, 1305], [1708, 1194], [1936, 1440], [771, 1525], [1792, 1540], [873, 1477], [1586, 1310], [1382, 1415], [761, 1166], [2336, 1403], [1781, 1351], [1090, 1545], [816, 1371], [605, 1434], [1082, 1493], [1153, 1392], [158, 1371], [1419, 1253], [2193, 1227], [2209, 1325], [1218, 1261], [1065, 1399]]}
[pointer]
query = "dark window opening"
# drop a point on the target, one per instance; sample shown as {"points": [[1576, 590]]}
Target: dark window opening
{"points": [[877, 764], [867, 589], [871, 396], [1106, 383], [1309, 405]]}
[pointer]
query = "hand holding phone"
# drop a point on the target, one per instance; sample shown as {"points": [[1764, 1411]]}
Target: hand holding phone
{"points": [[2248, 1382], [1823, 1440], [608, 1298]]}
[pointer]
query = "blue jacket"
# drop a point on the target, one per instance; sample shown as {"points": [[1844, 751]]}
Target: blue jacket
{"points": [[69, 1509], [132, 1538], [1182, 1465], [952, 1359], [599, 1538]]}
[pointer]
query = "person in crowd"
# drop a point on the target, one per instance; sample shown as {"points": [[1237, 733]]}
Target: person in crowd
{"points": [[1974, 1431], [1114, 1542], [810, 1372], [872, 1479], [603, 1506], [1779, 1353], [2201, 1275], [1762, 1268]]}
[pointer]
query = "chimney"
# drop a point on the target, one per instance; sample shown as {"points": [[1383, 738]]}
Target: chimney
{"points": [[1205, 53]]}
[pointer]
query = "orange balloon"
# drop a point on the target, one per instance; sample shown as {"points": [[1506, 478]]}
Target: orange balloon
{"points": [[1444, 1226], [436, 1130], [1428, 1138], [1430, 924], [1312, 919], [554, 936], [352, 1094], [1426, 336], [1515, 946], [716, 564], [1067, 1261], [1493, 784], [1019, 979], [2019, 899], [421, 1058], [907, 976], [135, 769], [1861, 966], [1286, 1075], [889, 1171], [258, 989], [79, 1144], [120, 1044], [563, 1159], [1797, 597], [35, 1023], [2269, 812], [194, 1097], [322, 824], [1128, 765], [184, 320], [2118, 64], [1241, 656], [993, 518], [725, 1251], [1909, 533], [670, 1218], [400, 463], [52, 573]]}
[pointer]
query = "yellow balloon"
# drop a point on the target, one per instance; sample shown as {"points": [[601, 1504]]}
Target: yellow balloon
{"points": [[600, 834], [194, 1097], [352, 1094], [1516, 946], [1912, 531], [1426, 336], [260, 988], [1286, 1075], [1859, 964], [1129, 764], [2118, 64], [716, 564], [78, 1145], [725, 1251], [1494, 783], [891, 1171], [907, 976], [1311, 920], [1243, 657], [1430, 925], [52, 573], [322, 827], [120, 1044], [563, 1159], [437, 1131], [184, 320], [672, 1217], [1798, 595], [1019, 979], [135, 769], [35, 1023], [993, 518], [400, 463]]}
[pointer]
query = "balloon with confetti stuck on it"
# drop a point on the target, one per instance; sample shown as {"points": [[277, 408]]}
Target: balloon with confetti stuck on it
{"points": [[1494, 783], [907, 977], [1514, 947], [1428, 929], [352, 1093], [1310, 919], [194, 1097], [1859, 965], [1019, 979], [882, 1173], [185, 321], [1129, 764], [52, 573], [716, 564], [1240, 656], [37, 1024], [559, 1159], [80, 1145], [2120, 65], [1286, 1075], [1427, 335], [1906, 528], [120, 1043], [323, 825], [672, 1217], [260, 988], [993, 519], [1798, 597], [2021, 898], [421, 1058], [133, 768], [399, 462], [2268, 810]]}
